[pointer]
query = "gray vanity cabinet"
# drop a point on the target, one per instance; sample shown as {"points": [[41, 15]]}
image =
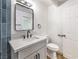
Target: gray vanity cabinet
{"points": [[35, 51], [33, 56], [41, 54]]}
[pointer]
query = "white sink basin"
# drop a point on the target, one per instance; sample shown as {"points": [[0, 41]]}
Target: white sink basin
{"points": [[31, 39], [19, 44]]}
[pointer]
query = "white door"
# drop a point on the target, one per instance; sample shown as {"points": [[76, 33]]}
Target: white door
{"points": [[70, 22]]}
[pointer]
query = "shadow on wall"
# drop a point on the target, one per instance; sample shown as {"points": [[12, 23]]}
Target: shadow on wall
{"points": [[50, 40], [58, 2]]}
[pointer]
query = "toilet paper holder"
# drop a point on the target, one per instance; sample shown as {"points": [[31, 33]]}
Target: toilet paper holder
{"points": [[63, 35]]}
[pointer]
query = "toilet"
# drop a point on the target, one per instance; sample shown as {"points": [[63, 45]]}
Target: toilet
{"points": [[53, 48]]}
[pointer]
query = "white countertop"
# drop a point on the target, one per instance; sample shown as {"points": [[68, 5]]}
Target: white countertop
{"points": [[19, 44]]}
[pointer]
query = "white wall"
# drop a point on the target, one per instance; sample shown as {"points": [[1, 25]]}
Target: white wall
{"points": [[63, 20], [54, 25], [40, 17]]}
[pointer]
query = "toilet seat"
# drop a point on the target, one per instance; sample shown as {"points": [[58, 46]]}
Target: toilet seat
{"points": [[52, 47]]}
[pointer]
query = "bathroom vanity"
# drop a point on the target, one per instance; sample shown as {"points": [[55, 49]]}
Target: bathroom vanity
{"points": [[34, 48], [28, 48]]}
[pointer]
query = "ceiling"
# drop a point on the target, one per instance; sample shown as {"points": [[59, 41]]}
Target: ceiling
{"points": [[55, 2], [47, 2]]}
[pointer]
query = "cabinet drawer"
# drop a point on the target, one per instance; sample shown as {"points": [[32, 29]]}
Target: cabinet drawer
{"points": [[31, 49]]}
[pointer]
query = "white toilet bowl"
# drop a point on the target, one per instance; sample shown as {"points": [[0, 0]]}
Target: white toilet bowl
{"points": [[53, 49]]}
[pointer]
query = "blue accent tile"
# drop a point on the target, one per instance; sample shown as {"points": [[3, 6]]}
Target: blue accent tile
{"points": [[8, 5], [4, 57], [8, 15], [0, 55], [0, 4], [4, 41], [8, 51], [0, 15], [4, 48], [3, 30], [9, 56], [8, 48], [8, 31], [0, 37], [4, 4], [3, 15], [8, 38], [0, 41]]}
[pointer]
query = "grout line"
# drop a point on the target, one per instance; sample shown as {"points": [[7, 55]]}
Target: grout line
{"points": [[1, 29], [6, 33], [6, 30]]}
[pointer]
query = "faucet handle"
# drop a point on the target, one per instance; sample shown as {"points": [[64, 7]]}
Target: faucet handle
{"points": [[31, 34], [24, 36]]}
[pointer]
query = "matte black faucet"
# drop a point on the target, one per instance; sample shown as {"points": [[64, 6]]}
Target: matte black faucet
{"points": [[28, 33]]}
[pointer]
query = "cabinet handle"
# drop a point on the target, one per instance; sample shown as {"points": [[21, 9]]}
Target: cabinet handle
{"points": [[38, 56], [35, 57]]}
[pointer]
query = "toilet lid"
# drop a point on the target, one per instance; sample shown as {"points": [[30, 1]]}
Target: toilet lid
{"points": [[52, 46]]}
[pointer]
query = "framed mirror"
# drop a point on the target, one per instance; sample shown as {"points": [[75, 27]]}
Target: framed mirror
{"points": [[24, 18]]}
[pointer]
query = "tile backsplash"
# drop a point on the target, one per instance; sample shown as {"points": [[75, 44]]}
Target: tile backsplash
{"points": [[5, 29]]}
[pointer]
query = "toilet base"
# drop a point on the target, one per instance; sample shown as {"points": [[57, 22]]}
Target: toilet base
{"points": [[53, 55]]}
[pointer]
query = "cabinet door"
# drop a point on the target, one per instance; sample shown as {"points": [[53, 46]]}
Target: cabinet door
{"points": [[42, 53], [70, 29], [32, 56]]}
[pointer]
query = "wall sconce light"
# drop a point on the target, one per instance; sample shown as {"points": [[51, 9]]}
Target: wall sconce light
{"points": [[25, 3], [29, 4]]}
